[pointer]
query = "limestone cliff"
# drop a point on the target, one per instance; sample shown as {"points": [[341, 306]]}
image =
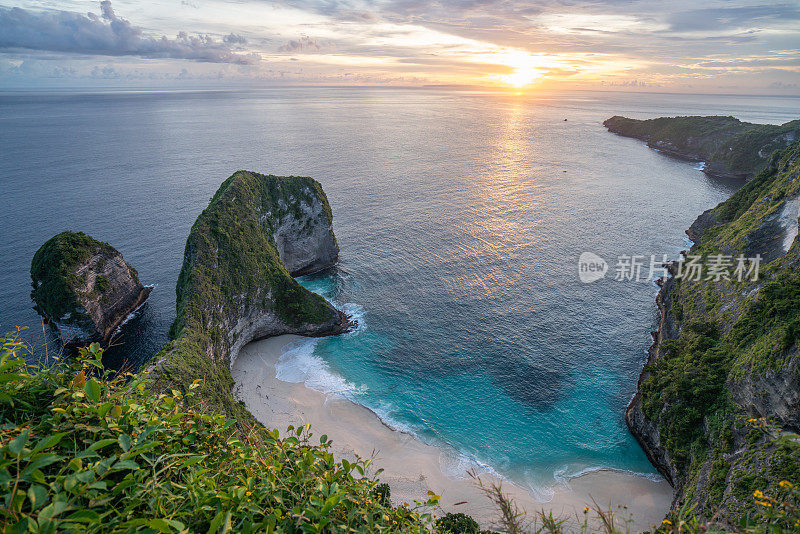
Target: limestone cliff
{"points": [[728, 146], [236, 282], [718, 404], [84, 287]]}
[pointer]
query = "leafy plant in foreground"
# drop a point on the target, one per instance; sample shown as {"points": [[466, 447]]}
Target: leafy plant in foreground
{"points": [[89, 452]]}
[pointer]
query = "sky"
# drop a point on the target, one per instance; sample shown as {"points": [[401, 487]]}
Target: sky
{"points": [[717, 46]]}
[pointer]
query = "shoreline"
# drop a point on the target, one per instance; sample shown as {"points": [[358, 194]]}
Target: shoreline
{"points": [[412, 467]]}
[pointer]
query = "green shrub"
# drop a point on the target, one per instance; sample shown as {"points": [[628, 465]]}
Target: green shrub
{"points": [[383, 493], [87, 452], [458, 523]]}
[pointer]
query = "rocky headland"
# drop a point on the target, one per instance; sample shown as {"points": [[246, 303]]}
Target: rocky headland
{"points": [[729, 147], [84, 287], [717, 408], [236, 284]]}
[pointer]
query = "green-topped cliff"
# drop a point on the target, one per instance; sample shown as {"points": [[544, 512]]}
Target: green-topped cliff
{"points": [[718, 406], [728, 146], [236, 282], [83, 286]]}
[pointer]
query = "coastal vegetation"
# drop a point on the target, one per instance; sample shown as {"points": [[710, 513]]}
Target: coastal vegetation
{"points": [[722, 384], [729, 146], [87, 451]]}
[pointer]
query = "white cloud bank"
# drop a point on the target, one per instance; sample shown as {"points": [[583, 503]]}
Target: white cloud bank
{"points": [[110, 35]]}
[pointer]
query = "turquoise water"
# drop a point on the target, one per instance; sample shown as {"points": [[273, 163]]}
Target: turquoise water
{"points": [[460, 217]]}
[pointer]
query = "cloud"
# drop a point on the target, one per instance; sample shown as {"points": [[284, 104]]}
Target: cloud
{"points": [[781, 85], [722, 19], [106, 73], [109, 35], [304, 44], [233, 38]]}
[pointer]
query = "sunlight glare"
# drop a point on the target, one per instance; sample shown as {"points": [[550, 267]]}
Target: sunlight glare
{"points": [[524, 71]]}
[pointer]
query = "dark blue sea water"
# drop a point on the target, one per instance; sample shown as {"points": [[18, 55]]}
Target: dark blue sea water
{"points": [[460, 216]]}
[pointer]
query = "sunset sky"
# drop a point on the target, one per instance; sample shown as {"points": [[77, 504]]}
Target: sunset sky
{"points": [[725, 46]]}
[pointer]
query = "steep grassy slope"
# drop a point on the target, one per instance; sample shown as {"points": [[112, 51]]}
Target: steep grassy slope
{"points": [[234, 286], [86, 452], [728, 146], [718, 408]]}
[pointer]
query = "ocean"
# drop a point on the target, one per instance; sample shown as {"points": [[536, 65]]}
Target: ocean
{"points": [[460, 215]]}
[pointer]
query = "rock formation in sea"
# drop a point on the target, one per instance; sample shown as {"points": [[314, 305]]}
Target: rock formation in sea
{"points": [[236, 282], [729, 147], [84, 287], [717, 408]]}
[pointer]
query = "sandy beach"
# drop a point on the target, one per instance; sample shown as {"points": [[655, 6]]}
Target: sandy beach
{"points": [[412, 467]]}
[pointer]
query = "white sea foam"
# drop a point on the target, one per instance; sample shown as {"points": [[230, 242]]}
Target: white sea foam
{"points": [[134, 312], [385, 412], [455, 464], [565, 475], [299, 364], [357, 312]]}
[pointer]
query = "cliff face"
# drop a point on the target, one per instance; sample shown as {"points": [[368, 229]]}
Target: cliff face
{"points": [[718, 404], [84, 287], [236, 282], [729, 147]]}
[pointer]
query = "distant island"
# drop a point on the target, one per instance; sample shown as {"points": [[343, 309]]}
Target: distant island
{"points": [[728, 146]]}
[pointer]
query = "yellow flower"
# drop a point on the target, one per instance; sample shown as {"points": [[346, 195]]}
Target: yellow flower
{"points": [[752, 420], [249, 493], [758, 495], [785, 484], [585, 510], [666, 522]]}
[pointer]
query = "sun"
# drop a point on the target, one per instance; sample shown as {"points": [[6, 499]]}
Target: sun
{"points": [[521, 76], [524, 73]]}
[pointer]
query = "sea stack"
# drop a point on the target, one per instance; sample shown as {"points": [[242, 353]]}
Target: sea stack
{"points": [[84, 287]]}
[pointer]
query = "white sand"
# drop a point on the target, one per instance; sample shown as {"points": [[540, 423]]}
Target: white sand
{"points": [[410, 466]]}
